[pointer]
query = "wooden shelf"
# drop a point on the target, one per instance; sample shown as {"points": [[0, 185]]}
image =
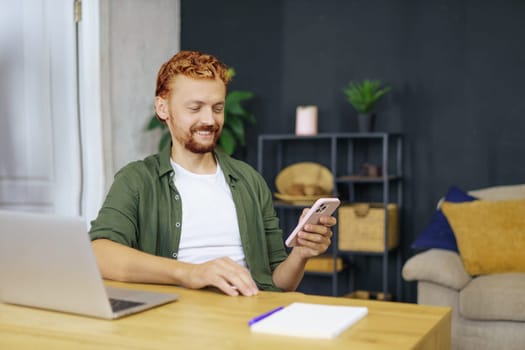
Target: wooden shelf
{"points": [[344, 154]]}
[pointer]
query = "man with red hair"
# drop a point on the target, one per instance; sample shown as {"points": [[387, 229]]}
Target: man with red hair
{"points": [[192, 215]]}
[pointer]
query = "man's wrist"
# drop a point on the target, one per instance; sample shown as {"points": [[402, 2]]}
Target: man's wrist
{"points": [[180, 272], [297, 257]]}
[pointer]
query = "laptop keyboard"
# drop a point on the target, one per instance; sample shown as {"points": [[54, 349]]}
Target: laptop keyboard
{"points": [[119, 304]]}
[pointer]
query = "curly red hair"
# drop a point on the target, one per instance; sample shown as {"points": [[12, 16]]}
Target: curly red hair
{"points": [[193, 64]]}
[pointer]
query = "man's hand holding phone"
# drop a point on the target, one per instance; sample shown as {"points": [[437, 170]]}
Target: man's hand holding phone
{"points": [[318, 237], [311, 237]]}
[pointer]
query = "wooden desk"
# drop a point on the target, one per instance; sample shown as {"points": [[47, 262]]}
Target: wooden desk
{"points": [[209, 320]]}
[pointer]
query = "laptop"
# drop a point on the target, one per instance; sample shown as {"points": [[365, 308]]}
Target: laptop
{"points": [[47, 262]]}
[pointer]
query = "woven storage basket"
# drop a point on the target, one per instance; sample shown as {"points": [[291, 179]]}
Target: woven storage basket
{"points": [[361, 227], [323, 264]]}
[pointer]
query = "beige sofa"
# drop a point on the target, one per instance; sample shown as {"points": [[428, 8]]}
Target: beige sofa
{"points": [[488, 310]]}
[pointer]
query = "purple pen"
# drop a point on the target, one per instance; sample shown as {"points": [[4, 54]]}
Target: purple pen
{"points": [[263, 316]]}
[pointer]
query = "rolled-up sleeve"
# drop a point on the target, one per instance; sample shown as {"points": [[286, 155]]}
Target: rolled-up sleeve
{"points": [[117, 219]]}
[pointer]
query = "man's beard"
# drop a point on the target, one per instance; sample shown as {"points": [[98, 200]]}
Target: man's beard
{"points": [[196, 147]]}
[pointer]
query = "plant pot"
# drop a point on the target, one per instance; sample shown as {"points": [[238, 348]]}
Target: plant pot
{"points": [[365, 122]]}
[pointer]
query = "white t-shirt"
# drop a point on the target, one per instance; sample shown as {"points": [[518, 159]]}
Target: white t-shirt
{"points": [[209, 220]]}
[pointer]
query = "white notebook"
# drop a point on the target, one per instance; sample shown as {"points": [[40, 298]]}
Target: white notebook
{"points": [[310, 320]]}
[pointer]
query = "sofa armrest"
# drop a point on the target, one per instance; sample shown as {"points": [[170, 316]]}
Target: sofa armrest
{"points": [[439, 266]]}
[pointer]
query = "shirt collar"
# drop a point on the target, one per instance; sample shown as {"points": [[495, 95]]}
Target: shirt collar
{"points": [[165, 163], [164, 160], [226, 165]]}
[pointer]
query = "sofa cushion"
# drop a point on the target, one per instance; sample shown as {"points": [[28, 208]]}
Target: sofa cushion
{"points": [[438, 234], [494, 297], [496, 193], [490, 234], [439, 266]]}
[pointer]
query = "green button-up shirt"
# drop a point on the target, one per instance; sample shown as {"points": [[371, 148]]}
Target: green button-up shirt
{"points": [[143, 210]]}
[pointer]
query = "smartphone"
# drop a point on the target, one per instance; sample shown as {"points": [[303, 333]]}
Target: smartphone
{"points": [[323, 206]]}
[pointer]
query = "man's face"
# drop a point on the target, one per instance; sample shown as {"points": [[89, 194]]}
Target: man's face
{"points": [[194, 112]]}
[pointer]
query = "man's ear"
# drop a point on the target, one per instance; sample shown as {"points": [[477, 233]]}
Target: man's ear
{"points": [[161, 108]]}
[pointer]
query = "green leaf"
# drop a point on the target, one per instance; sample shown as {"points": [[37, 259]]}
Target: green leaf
{"points": [[249, 117], [234, 117], [230, 72], [236, 126], [227, 141], [239, 96], [165, 139], [154, 123], [234, 99]]}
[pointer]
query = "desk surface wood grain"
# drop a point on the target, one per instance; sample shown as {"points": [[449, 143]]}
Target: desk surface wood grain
{"points": [[209, 320]]}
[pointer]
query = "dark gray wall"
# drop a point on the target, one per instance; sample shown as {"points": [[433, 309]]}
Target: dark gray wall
{"points": [[456, 68]]}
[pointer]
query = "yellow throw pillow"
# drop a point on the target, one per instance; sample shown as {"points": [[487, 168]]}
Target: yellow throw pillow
{"points": [[490, 234]]}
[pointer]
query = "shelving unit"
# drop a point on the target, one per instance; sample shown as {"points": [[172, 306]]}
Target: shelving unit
{"points": [[343, 153]]}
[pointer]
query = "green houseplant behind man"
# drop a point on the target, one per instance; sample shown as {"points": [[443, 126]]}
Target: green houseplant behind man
{"points": [[192, 215]]}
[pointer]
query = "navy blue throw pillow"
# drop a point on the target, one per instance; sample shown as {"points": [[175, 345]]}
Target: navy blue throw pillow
{"points": [[438, 233]]}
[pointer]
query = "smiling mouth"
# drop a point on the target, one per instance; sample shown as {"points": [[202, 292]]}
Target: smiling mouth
{"points": [[205, 131]]}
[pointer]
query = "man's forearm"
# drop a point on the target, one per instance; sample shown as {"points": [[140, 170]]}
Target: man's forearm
{"points": [[290, 272], [122, 263]]}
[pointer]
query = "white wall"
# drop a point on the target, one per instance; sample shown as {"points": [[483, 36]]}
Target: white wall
{"points": [[137, 36]]}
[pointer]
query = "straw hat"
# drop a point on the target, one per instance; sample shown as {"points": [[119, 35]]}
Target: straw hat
{"points": [[305, 179]]}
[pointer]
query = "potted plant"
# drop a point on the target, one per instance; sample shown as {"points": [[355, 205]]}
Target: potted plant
{"points": [[363, 96], [235, 117]]}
